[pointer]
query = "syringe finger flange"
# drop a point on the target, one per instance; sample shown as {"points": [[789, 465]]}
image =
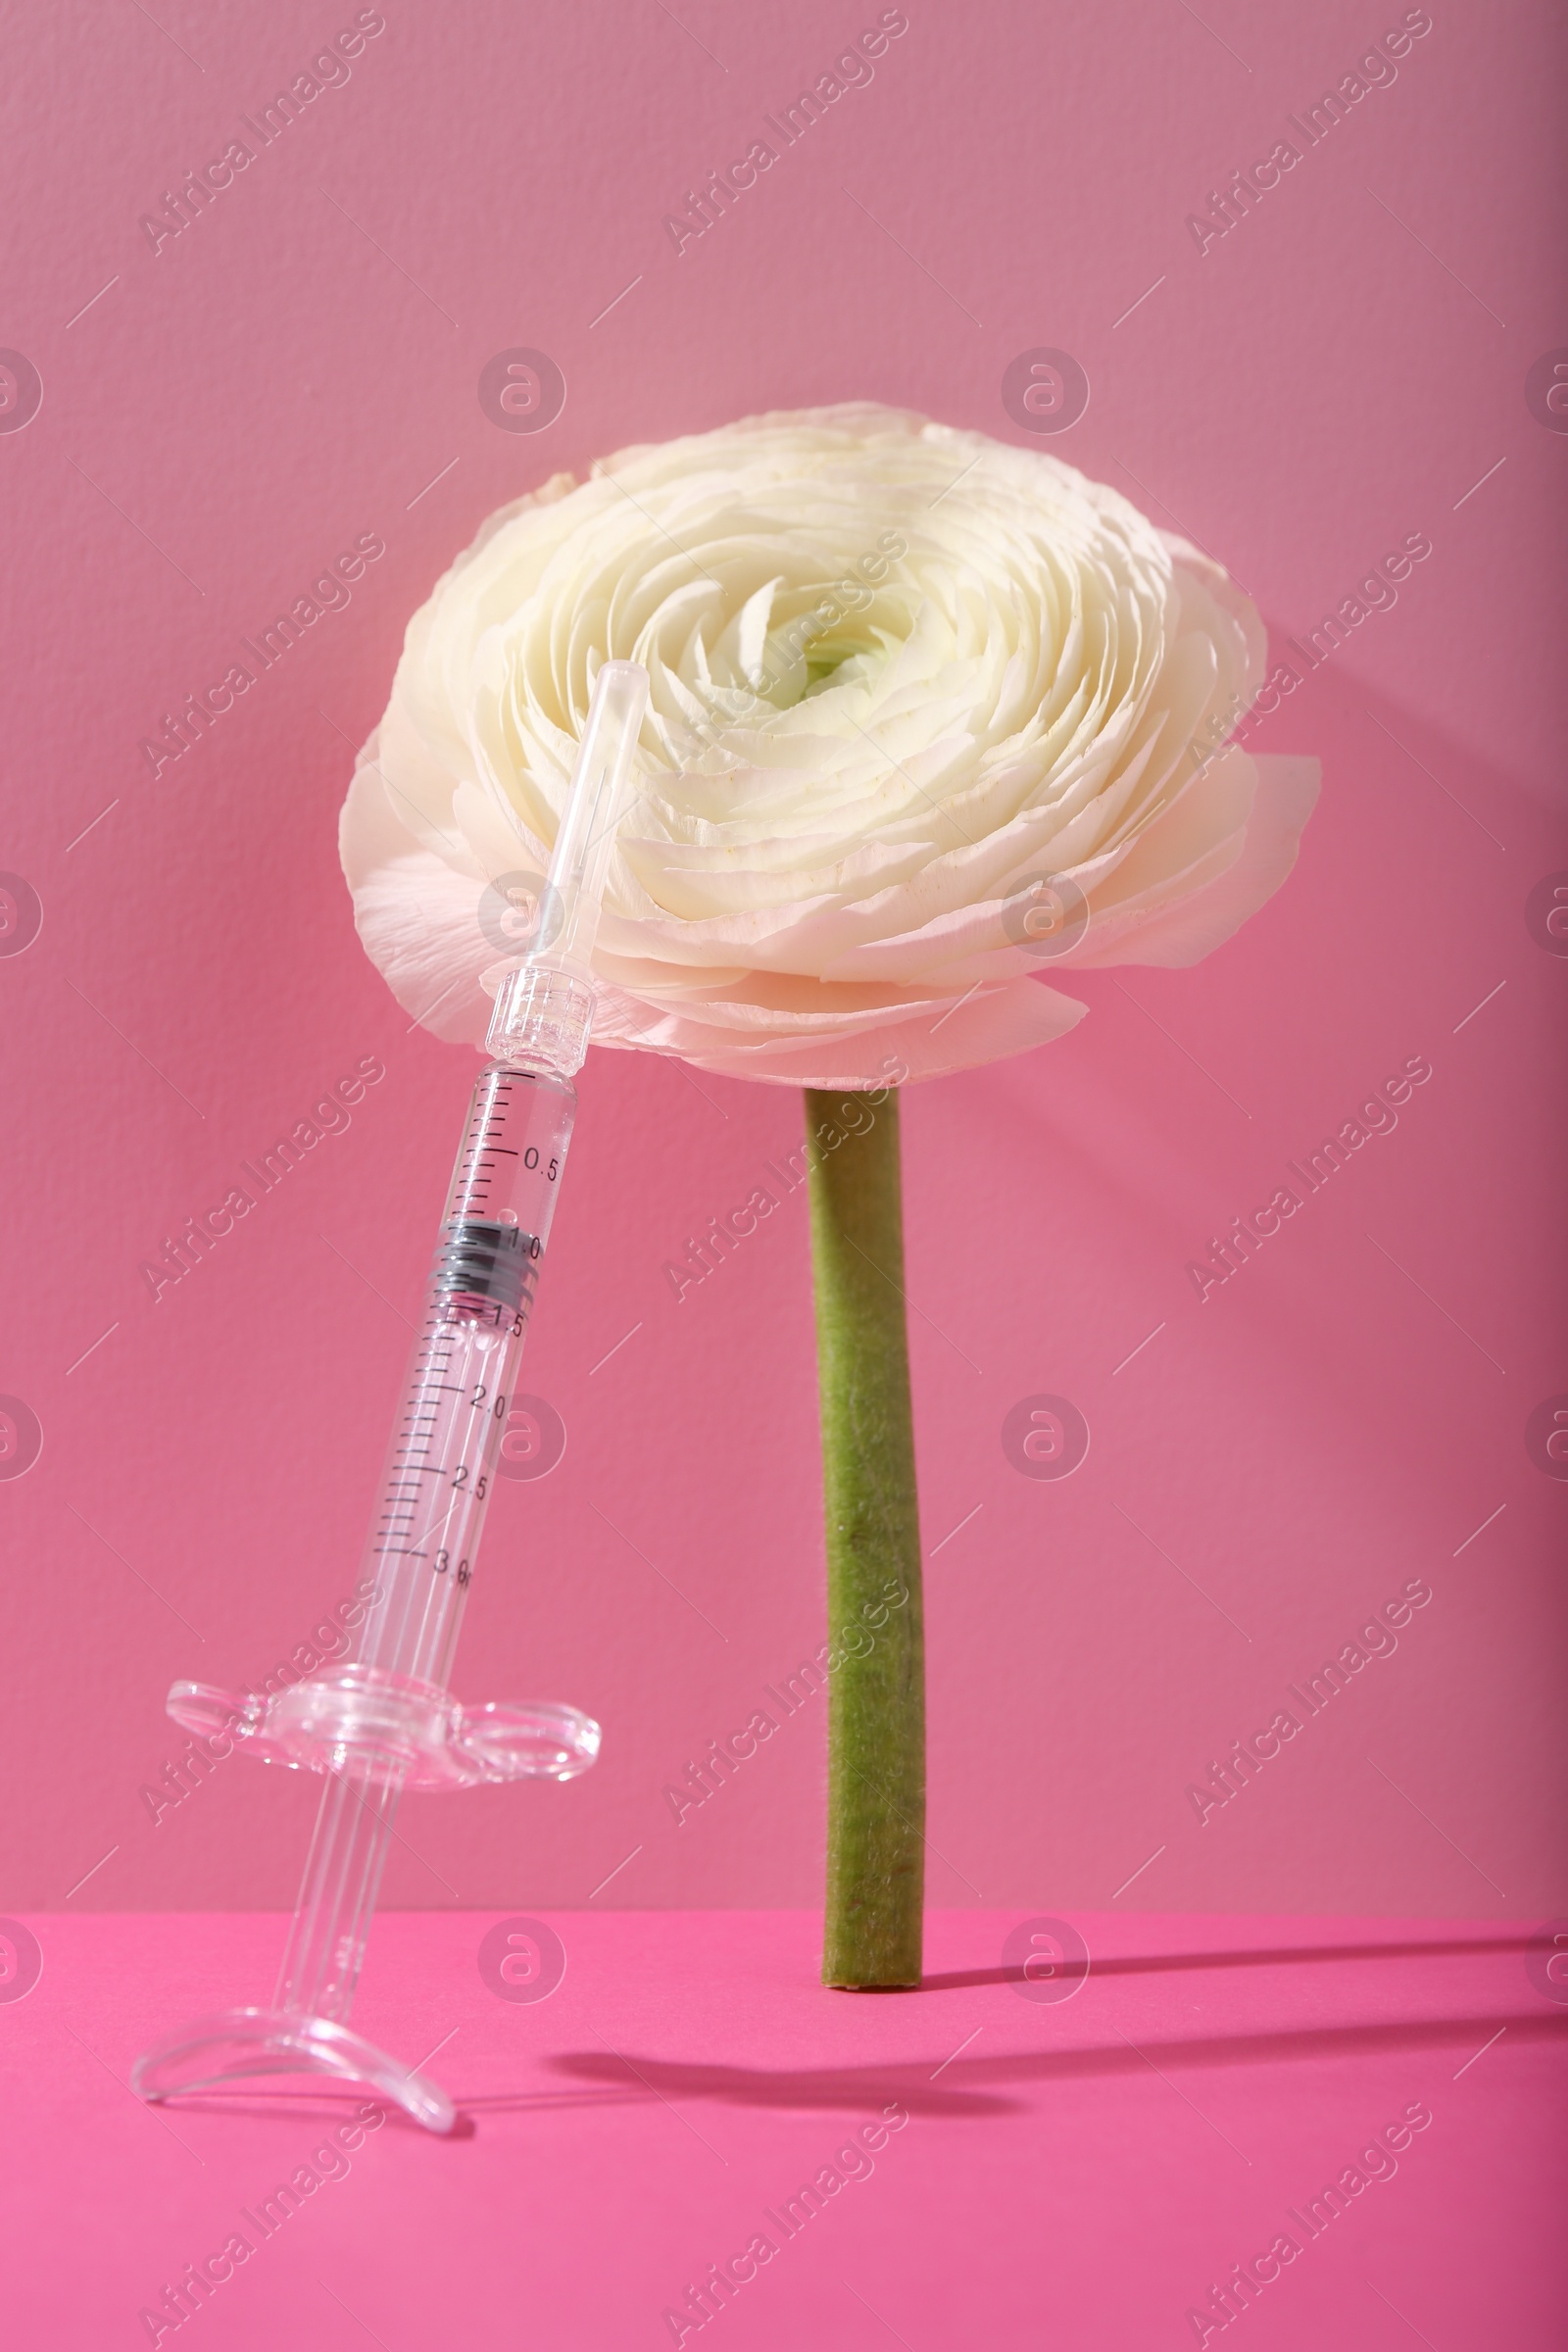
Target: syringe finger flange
{"points": [[394, 1723]]}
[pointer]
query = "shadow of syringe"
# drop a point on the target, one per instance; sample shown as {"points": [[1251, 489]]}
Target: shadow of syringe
{"points": [[385, 1720]]}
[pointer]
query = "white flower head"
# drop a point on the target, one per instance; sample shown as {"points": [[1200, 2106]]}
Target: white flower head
{"points": [[930, 716]]}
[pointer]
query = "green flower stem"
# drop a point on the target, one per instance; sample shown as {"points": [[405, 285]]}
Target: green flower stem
{"points": [[876, 1710]]}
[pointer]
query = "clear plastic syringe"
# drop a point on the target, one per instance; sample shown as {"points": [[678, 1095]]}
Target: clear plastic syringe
{"points": [[385, 1720]]}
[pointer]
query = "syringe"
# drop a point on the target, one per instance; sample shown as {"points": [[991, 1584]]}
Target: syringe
{"points": [[385, 1720]]}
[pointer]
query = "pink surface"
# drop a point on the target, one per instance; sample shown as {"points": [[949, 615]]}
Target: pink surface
{"points": [[1076, 2172], [299, 370]]}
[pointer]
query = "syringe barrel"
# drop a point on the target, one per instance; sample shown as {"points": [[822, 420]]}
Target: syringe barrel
{"points": [[446, 1444]]}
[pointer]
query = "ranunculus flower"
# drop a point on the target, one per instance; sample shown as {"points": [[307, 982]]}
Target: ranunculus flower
{"points": [[901, 677]]}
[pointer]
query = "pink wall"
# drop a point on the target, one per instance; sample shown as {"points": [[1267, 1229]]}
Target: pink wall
{"points": [[219, 419]]}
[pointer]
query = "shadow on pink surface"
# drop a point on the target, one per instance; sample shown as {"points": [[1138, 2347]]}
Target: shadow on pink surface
{"points": [[983, 2086], [1164, 1962], [851, 2087], [311, 2105], [609, 2079]]}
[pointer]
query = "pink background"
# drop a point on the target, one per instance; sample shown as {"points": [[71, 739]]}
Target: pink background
{"points": [[222, 419], [1071, 2172]]}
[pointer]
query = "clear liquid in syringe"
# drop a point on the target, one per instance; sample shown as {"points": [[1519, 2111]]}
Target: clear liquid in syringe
{"points": [[441, 1463]]}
